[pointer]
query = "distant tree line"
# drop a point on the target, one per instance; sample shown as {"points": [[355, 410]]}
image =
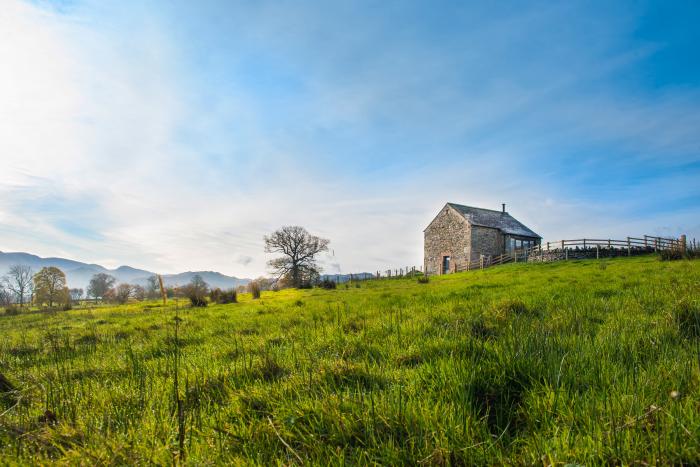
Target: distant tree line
{"points": [[296, 266], [47, 289]]}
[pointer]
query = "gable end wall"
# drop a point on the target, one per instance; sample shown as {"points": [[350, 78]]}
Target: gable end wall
{"points": [[448, 235]]}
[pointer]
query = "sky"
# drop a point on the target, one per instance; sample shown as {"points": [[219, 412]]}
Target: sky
{"points": [[173, 135]]}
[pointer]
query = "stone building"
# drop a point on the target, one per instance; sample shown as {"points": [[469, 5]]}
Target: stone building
{"points": [[462, 233]]}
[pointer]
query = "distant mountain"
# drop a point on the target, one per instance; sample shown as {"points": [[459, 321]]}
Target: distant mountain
{"points": [[129, 274], [214, 279], [79, 274]]}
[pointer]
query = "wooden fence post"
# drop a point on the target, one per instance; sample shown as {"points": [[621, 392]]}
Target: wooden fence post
{"points": [[481, 262], [629, 247], [566, 254], [597, 252]]}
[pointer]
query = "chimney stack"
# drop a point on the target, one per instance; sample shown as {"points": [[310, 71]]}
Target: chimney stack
{"points": [[504, 207]]}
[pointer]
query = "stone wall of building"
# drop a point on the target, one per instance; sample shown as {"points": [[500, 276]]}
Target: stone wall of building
{"points": [[485, 241], [448, 235]]}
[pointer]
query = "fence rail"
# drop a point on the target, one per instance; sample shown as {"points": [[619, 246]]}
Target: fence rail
{"points": [[582, 248], [578, 248]]}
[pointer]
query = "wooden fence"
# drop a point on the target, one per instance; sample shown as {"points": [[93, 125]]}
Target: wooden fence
{"points": [[582, 248], [548, 251]]}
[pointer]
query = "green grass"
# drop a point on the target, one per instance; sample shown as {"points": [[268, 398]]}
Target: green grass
{"points": [[572, 362]]}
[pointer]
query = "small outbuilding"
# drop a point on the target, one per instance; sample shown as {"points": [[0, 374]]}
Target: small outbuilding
{"points": [[460, 234]]}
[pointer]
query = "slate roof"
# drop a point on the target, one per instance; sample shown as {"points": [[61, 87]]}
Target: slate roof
{"points": [[494, 219]]}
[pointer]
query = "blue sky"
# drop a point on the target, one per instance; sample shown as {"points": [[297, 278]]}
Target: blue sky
{"points": [[174, 135]]}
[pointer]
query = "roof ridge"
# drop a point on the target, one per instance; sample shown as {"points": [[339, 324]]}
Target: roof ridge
{"points": [[493, 219], [475, 207]]}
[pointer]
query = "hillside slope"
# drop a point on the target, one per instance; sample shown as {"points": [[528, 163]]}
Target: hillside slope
{"points": [[575, 362]]}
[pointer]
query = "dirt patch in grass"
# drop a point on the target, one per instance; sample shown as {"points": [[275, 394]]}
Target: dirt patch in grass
{"points": [[686, 315], [507, 307], [212, 391], [605, 293], [255, 405], [410, 360], [343, 374], [268, 369]]}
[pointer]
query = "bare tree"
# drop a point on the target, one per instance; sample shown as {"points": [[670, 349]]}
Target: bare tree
{"points": [[152, 287], [100, 285], [138, 292], [196, 291], [265, 283], [299, 250], [50, 287], [76, 294], [19, 282], [123, 292], [5, 296]]}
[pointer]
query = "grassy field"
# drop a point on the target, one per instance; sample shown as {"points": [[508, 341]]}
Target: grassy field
{"points": [[588, 362]]}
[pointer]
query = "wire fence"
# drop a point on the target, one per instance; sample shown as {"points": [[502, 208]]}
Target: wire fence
{"points": [[396, 273]]}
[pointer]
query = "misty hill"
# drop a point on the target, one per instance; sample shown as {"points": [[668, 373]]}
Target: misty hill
{"points": [[78, 274], [214, 279]]}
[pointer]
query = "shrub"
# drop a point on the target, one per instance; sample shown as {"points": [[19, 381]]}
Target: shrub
{"points": [[196, 291], [228, 296], [254, 289], [215, 295], [423, 279], [670, 255], [223, 296], [11, 310], [677, 254], [198, 301], [327, 284]]}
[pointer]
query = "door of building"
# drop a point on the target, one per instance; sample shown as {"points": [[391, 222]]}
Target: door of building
{"points": [[445, 264]]}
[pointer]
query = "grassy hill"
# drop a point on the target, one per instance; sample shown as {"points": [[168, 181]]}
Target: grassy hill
{"points": [[579, 362]]}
